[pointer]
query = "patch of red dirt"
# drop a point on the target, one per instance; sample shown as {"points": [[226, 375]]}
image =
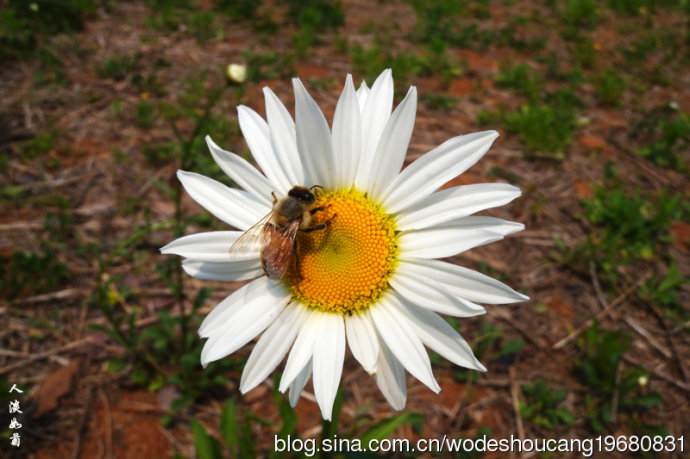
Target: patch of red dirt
{"points": [[478, 63], [461, 87], [305, 72], [428, 84], [122, 425], [465, 179], [593, 142], [560, 307], [681, 235], [583, 189]]}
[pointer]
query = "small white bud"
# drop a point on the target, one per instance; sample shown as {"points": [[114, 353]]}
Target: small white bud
{"points": [[236, 73]]}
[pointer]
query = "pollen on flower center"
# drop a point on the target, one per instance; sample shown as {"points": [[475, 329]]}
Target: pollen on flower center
{"points": [[344, 267]]}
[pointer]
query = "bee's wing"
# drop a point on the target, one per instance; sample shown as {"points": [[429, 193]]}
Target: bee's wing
{"points": [[254, 238], [276, 255]]}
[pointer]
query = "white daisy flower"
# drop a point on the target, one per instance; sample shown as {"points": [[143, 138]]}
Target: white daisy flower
{"points": [[363, 266]]}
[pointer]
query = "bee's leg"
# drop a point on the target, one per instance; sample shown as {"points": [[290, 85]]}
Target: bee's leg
{"points": [[319, 209], [319, 226], [274, 198], [295, 262]]}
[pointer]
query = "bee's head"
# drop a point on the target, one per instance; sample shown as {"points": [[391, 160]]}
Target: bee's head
{"points": [[302, 194]]}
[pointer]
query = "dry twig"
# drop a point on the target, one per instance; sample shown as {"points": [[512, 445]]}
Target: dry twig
{"points": [[43, 355], [76, 443], [514, 395], [603, 313]]}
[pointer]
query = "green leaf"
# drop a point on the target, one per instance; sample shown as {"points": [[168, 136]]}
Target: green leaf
{"points": [[645, 401], [386, 427], [247, 443], [542, 421], [512, 346], [289, 418], [166, 278], [163, 187], [558, 395], [526, 411], [673, 278], [11, 191], [228, 426], [653, 429], [180, 403], [139, 376], [166, 420], [115, 365], [563, 415], [202, 296], [205, 445]]}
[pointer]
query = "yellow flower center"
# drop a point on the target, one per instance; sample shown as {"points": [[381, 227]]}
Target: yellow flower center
{"points": [[345, 266]]}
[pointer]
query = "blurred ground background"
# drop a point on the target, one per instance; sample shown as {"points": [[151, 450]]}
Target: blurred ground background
{"points": [[102, 101]]}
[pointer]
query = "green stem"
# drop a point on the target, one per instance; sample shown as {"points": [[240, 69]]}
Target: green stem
{"points": [[326, 427], [103, 265], [131, 240], [186, 146]]}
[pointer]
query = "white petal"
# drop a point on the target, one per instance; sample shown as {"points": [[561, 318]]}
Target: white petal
{"points": [[440, 242], [241, 324], [262, 290], [302, 350], [235, 207], [439, 336], [313, 139], [241, 172], [402, 340], [390, 377], [228, 272], [455, 203], [329, 352], [426, 293], [361, 337], [347, 137], [272, 346], [212, 246], [483, 223], [428, 173], [455, 236], [392, 147], [374, 118], [283, 137], [258, 137], [464, 282], [297, 386], [362, 95]]}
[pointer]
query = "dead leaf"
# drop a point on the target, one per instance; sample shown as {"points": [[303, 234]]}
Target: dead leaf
{"points": [[55, 386]]}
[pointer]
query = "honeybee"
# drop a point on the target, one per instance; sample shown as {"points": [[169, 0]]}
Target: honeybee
{"points": [[275, 233]]}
